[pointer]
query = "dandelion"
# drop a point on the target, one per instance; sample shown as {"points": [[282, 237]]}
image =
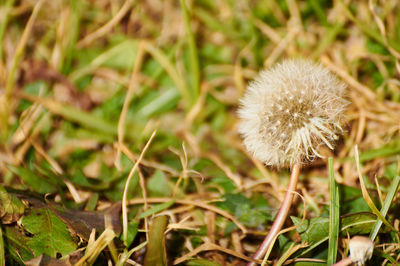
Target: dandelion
{"points": [[289, 111], [361, 249], [286, 114]]}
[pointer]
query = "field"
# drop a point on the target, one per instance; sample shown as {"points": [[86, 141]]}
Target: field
{"points": [[119, 140]]}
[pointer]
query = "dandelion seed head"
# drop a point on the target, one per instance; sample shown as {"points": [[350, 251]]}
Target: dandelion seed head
{"points": [[361, 249], [289, 111]]}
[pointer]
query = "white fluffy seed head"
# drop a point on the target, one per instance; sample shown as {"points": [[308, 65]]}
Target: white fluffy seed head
{"points": [[361, 249], [289, 111]]}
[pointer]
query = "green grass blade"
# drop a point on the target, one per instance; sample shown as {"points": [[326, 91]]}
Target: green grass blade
{"points": [[72, 34], [70, 113], [368, 30], [2, 258], [13, 70], [333, 216], [171, 70], [211, 22], [388, 201], [19, 52], [156, 209], [127, 254], [328, 39], [194, 58], [3, 24], [366, 196], [319, 11], [156, 254], [390, 149]]}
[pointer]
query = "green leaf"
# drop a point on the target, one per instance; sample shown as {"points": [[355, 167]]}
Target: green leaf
{"points": [[352, 200], [132, 231], [249, 213], [312, 231], [35, 183], [375, 47], [157, 185], [357, 223], [50, 234], [16, 244], [11, 208], [316, 231], [156, 209]]}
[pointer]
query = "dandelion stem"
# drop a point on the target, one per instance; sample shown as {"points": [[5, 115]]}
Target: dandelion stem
{"points": [[343, 262], [281, 217]]}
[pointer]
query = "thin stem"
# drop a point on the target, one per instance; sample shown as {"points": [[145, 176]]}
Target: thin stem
{"points": [[343, 262], [281, 217]]}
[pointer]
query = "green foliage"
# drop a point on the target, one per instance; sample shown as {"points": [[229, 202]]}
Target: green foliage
{"points": [[386, 205], [316, 230], [252, 213], [157, 185], [17, 244], [11, 208], [157, 208], [334, 216], [34, 182], [132, 231], [50, 234], [201, 262], [352, 200]]}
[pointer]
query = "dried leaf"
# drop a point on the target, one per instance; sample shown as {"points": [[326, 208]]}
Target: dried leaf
{"points": [[83, 222]]}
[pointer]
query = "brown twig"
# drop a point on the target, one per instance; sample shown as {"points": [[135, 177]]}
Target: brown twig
{"points": [[281, 217]]}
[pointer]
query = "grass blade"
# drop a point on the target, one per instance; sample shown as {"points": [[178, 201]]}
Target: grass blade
{"points": [[388, 201], [70, 113], [366, 196], [12, 73], [19, 52], [94, 250], [2, 257], [333, 216], [3, 25], [156, 209], [194, 58], [390, 149], [127, 254], [126, 189], [171, 70], [156, 254]]}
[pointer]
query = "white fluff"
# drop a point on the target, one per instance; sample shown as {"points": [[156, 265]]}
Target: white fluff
{"points": [[361, 249], [288, 111]]}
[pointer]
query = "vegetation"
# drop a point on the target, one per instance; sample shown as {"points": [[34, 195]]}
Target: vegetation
{"points": [[119, 143]]}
